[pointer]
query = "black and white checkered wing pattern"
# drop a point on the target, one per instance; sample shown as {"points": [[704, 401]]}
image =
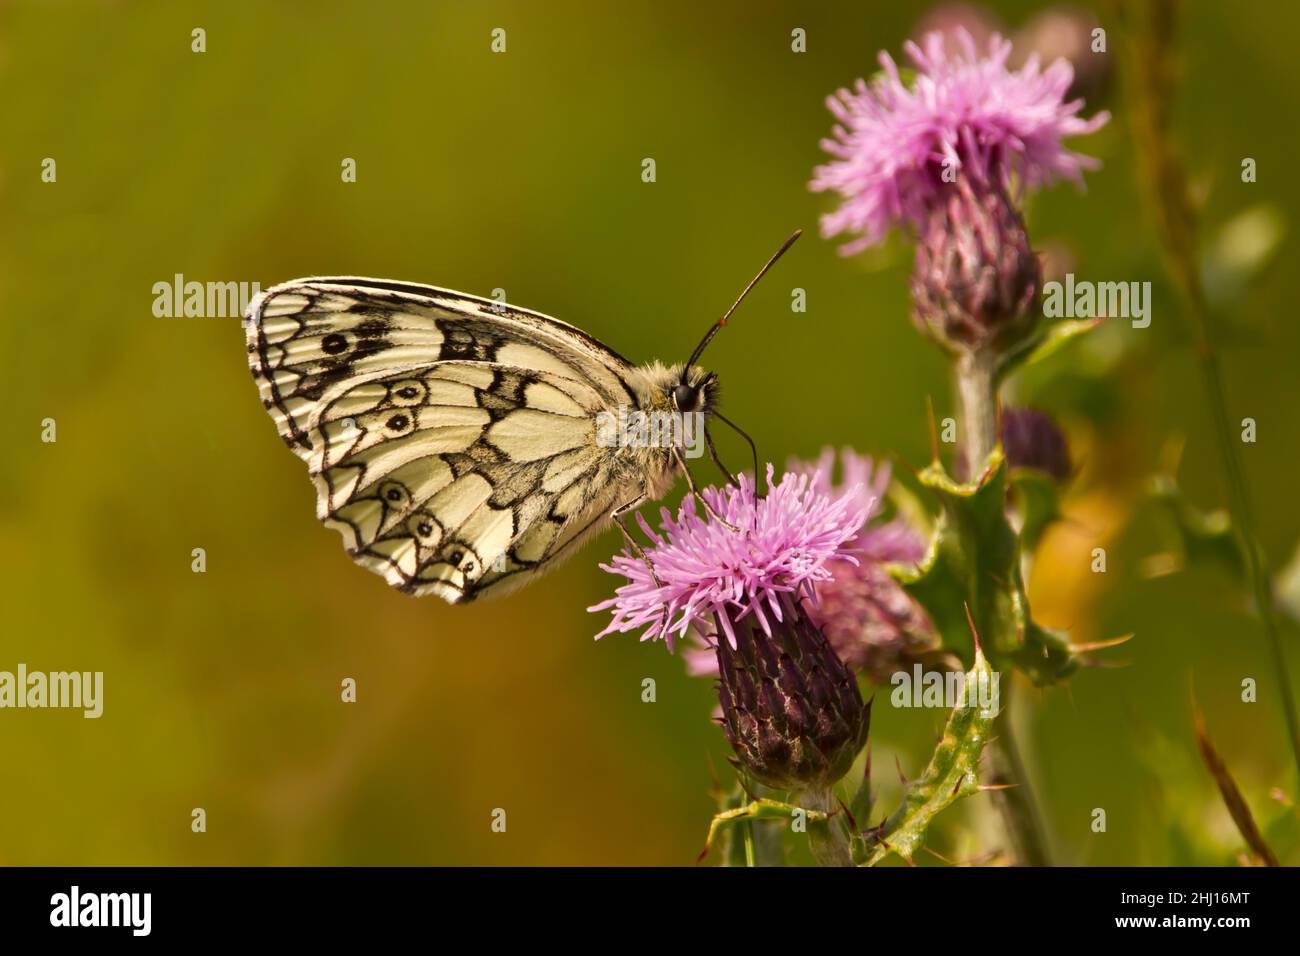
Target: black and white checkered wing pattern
{"points": [[452, 440]]}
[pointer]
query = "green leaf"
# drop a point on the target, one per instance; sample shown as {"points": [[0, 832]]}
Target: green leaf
{"points": [[973, 561], [860, 803], [744, 844], [1206, 537], [760, 809], [738, 841], [951, 774], [1286, 587], [1038, 497], [1048, 341], [1238, 251]]}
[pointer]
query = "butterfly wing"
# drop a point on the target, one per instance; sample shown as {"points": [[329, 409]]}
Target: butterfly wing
{"points": [[451, 439], [308, 335], [458, 477]]}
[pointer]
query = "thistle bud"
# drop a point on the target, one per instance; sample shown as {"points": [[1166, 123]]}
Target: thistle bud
{"points": [[976, 280], [1031, 439], [791, 709]]}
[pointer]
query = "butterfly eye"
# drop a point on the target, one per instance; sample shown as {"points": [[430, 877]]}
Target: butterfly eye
{"points": [[686, 398]]}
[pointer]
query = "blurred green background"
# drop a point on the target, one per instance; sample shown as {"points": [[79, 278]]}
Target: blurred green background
{"points": [[522, 171]]}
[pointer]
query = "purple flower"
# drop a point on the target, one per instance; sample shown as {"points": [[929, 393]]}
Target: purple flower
{"points": [[779, 547], [789, 706], [871, 622], [891, 142], [865, 483]]}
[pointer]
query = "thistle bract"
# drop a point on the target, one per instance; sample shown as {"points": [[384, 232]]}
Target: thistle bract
{"points": [[976, 280], [791, 708]]}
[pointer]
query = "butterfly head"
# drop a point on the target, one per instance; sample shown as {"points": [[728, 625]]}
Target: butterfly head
{"points": [[694, 390]]}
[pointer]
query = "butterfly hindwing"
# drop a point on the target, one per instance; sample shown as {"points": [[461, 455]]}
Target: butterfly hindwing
{"points": [[454, 477]]}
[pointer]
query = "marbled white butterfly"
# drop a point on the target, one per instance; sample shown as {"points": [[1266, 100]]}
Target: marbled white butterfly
{"points": [[455, 441]]}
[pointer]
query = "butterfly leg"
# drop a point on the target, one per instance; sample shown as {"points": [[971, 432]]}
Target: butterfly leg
{"points": [[619, 515], [690, 483]]}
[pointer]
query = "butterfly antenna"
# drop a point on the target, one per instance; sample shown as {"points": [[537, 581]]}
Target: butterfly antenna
{"points": [[741, 432], [713, 330]]}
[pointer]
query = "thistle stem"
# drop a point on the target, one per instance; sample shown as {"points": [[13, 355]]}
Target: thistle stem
{"points": [[1165, 181], [977, 398], [1256, 571], [977, 395], [826, 839], [1016, 803]]}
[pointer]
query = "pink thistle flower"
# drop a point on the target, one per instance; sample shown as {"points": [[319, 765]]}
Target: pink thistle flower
{"points": [[779, 547], [871, 622], [865, 483], [891, 142], [791, 709]]}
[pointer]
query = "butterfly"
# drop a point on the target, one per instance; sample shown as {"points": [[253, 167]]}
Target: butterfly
{"points": [[460, 445]]}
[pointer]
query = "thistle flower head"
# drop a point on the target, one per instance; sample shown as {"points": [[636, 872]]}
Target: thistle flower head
{"points": [[864, 482], [778, 546], [873, 625], [790, 707], [965, 113]]}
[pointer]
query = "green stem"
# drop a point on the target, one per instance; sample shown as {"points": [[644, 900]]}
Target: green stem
{"points": [[1154, 77], [977, 394], [1239, 506], [826, 837], [1016, 803], [977, 399]]}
